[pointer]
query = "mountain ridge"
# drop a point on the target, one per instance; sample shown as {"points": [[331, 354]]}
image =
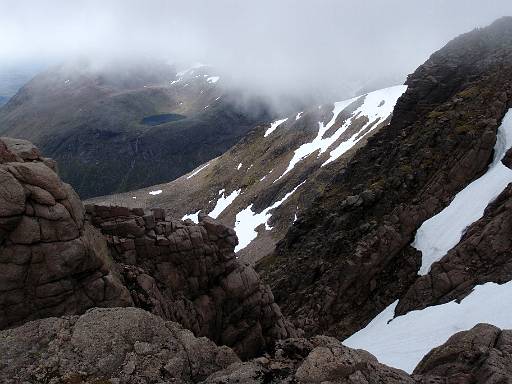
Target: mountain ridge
{"points": [[264, 181]]}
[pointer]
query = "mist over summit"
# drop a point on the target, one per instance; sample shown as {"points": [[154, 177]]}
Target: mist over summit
{"points": [[330, 48]]}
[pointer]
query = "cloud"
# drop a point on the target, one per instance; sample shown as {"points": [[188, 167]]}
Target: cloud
{"points": [[279, 47]]}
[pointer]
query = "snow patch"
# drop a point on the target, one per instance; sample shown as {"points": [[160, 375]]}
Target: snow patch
{"points": [[197, 171], [370, 108], [239, 166], [247, 221], [442, 232], [157, 192], [273, 126], [402, 342], [299, 115], [223, 202], [264, 177], [377, 107], [192, 216], [295, 216], [213, 79]]}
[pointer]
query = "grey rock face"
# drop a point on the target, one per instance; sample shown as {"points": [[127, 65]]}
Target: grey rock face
{"points": [[53, 262], [132, 346]]}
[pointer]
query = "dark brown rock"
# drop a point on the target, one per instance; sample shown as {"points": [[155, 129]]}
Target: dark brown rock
{"points": [[480, 355], [12, 196], [317, 360], [188, 273], [50, 264], [482, 255], [38, 174], [349, 255], [24, 149], [123, 345]]}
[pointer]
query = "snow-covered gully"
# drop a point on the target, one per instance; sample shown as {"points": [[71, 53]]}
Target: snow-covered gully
{"points": [[402, 341], [443, 231]]}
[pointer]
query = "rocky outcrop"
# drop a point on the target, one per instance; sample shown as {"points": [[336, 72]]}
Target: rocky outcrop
{"points": [[482, 255], [51, 261], [132, 346], [349, 256], [54, 262], [317, 360], [114, 345], [480, 355], [188, 273]]}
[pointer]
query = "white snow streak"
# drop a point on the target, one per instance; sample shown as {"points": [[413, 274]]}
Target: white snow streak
{"points": [[273, 126], [247, 221], [377, 107], [197, 171], [299, 115], [371, 108], [443, 231], [155, 192], [239, 166], [404, 341], [213, 79], [223, 202], [264, 177]]}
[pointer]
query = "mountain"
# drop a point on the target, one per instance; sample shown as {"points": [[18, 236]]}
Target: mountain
{"points": [[397, 268], [418, 218], [269, 177], [101, 294], [410, 225], [105, 124]]}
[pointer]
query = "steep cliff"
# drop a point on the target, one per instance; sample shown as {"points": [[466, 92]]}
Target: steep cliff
{"points": [[350, 256]]}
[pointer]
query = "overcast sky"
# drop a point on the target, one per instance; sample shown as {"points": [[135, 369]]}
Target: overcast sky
{"points": [[279, 45]]}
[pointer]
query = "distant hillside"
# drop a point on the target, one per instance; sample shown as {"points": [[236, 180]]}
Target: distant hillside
{"points": [[126, 126], [272, 175]]}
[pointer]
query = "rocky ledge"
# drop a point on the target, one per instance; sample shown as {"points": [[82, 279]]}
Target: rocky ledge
{"points": [[132, 346], [188, 273]]}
